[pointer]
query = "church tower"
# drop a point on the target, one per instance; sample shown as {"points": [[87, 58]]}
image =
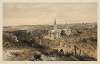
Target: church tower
{"points": [[55, 25], [55, 29]]}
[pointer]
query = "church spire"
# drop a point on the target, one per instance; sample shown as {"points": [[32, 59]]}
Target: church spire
{"points": [[55, 29], [55, 25], [55, 22]]}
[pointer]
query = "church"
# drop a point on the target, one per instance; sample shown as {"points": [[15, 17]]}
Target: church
{"points": [[55, 33]]}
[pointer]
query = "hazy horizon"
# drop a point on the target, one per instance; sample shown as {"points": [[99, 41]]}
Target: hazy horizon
{"points": [[16, 14]]}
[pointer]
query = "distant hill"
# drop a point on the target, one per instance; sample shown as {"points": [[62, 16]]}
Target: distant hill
{"points": [[49, 27]]}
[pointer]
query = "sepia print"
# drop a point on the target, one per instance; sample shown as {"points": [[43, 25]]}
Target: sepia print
{"points": [[50, 32]]}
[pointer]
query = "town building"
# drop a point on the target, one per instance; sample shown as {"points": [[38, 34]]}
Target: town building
{"points": [[55, 33]]}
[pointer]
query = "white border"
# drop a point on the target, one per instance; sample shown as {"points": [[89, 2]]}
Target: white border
{"points": [[47, 1]]}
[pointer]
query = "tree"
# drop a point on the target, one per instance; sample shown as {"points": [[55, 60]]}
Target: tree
{"points": [[63, 33]]}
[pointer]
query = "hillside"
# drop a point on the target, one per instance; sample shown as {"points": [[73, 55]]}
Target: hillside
{"points": [[81, 43]]}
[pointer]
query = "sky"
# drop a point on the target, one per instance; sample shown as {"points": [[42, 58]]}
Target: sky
{"points": [[46, 13]]}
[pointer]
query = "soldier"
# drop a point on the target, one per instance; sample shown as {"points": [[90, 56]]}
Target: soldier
{"points": [[61, 52]]}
